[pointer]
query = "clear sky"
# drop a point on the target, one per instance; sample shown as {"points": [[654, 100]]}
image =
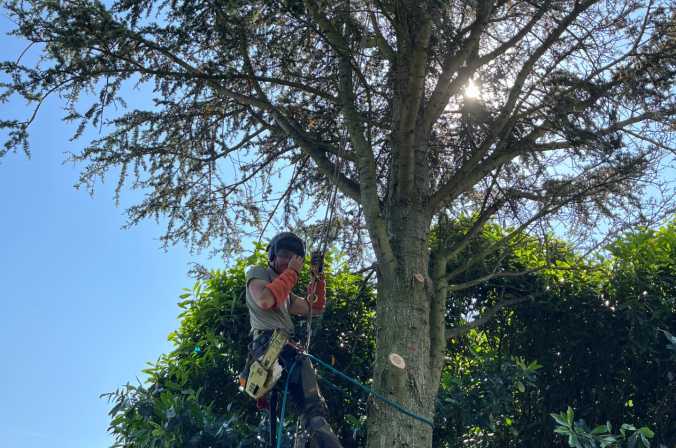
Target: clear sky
{"points": [[84, 304]]}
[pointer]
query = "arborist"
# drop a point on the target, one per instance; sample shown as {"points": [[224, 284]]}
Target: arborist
{"points": [[271, 304]]}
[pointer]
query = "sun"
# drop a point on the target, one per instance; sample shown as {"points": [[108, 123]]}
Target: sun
{"points": [[472, 90]]}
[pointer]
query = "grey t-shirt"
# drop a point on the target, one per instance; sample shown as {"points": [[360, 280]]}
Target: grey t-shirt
{"points": [[274, 318]]}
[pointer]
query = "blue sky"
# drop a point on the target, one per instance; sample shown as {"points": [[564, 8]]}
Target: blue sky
{"points": [[84, 304]]}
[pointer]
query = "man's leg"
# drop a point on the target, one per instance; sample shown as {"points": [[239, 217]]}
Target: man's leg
{"points": [[305, 392]]}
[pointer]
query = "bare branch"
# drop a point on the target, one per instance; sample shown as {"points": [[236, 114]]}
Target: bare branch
{"points": [[458, 183], [452, 63], [383, 45], [450, 253]]}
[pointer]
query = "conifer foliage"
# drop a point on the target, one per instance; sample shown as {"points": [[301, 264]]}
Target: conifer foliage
{"points": [[547, 115]]}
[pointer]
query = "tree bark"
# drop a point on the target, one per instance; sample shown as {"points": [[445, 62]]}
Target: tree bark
{"points": [[403, 328]]}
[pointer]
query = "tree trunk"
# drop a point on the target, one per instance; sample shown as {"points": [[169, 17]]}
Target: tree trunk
{"points": [[403, 328]]}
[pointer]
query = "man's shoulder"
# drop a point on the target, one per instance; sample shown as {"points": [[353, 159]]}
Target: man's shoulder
{"points": [[260, 272]]}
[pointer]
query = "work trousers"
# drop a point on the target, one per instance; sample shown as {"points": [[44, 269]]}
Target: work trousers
{"points": [[305, 394]]}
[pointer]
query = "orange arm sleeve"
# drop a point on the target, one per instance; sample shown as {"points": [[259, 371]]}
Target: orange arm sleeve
{"points": [[282, 286], [320, 290]]}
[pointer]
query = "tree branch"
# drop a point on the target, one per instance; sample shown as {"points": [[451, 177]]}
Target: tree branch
{"points": [[502, 242], [369, 198], [444, 88], [347, 186], [494, 274], [450, 253], [411, 70], [468, 173], [383, 45], [486, 316]]}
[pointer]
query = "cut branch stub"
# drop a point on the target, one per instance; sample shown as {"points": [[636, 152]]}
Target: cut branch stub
{"points": [[397, 361]]}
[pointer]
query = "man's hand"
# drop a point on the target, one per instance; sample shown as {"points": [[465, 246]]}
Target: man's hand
{"points": [[317, 262], [296, 263]]}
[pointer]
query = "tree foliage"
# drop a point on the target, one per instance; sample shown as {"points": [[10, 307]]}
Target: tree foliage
{"points": [[573, 120], [592, 341], [191, 395], [600, 332], [294, 103], [581, 436]]}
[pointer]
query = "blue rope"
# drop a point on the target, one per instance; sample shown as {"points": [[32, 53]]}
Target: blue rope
{"points": [[332, 386], [370, 391], [281, 415], [366, 389]]}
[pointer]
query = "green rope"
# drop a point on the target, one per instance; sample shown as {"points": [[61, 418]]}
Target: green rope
{"points": [[281, 415], [370, 391], [365, 388]]}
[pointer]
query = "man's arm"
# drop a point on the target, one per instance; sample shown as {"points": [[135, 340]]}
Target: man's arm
{"points": [[261, 295], [300, 306], [273, 294]]}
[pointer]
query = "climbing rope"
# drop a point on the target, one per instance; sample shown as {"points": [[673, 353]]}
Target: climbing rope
{"points": [[350, 379], [280, 427], [326, 232], [370, 391]]}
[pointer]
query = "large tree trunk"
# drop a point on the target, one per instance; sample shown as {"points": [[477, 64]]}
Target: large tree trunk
{"points": [[403, 328]]}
